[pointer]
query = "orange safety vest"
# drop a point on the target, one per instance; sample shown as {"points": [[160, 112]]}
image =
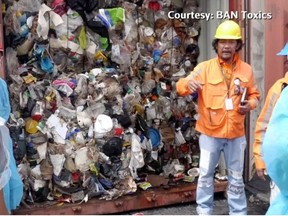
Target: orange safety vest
{"points": [[264, 118], [214, 120]]}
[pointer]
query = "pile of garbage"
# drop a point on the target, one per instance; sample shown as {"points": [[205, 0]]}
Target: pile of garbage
{"points": [[92, 88]]}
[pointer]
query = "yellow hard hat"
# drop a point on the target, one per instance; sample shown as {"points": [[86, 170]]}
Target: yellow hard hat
{"points": [[228, 30]]}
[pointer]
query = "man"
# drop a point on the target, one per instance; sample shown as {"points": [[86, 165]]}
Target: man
{"points": [[275, 154], [262, 123], [220, 83]]}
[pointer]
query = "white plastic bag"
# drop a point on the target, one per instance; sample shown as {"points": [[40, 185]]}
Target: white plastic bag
{"points": [[137, 158]]}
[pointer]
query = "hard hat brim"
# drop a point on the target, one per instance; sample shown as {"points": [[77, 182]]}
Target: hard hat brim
{"points": [[228, 37]]}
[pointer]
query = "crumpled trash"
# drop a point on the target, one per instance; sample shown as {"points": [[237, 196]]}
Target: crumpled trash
{"points": [[81, 159], [93, 99], [157, 181], [137, 158], [113, 147], [57, 161], [102, 125]]}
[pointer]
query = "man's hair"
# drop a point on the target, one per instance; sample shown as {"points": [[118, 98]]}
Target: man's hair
{"points": [[239, 44]]}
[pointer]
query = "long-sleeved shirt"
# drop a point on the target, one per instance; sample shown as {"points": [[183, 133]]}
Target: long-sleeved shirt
{"points": [[263, 120], [214, 118]]}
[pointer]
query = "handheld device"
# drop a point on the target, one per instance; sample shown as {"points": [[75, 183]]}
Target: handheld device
{"points": [[243, 97]]}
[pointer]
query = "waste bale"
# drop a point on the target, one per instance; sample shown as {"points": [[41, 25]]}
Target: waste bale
{"points": [[92, 88]]}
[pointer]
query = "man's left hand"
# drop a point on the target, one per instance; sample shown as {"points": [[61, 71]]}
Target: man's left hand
{"points": [[244, 107]]}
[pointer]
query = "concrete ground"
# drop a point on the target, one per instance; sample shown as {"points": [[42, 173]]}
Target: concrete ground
{"points": [[260, 188], [255, 207]]}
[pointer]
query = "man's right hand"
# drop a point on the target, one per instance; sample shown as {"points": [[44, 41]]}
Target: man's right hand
{"points": [[194, 85], [261, 173]]}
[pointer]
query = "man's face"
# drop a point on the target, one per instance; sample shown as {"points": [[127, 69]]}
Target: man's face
{"points": [[226, 49]]}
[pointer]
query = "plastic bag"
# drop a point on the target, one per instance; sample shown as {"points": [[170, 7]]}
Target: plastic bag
{"points": [[113, 147], [71, 21], [25, 5], [130, 25], [12, 61], [120, 54], [10, 21], [83, 38], [137, 158]]}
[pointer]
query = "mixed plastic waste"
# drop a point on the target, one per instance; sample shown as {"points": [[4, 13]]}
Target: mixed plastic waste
{"points": [[92, 91]]}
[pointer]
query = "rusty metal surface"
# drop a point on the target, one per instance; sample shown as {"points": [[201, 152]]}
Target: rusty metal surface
{"points": [[155, 197]]}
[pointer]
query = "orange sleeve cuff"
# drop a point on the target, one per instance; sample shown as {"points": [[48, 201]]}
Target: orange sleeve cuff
{"points": [[182, 87], [259, 163]]}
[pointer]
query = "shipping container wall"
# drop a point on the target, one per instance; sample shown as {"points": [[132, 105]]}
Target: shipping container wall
{"points": [[276, 35], [208, 28], [257, 60]]}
